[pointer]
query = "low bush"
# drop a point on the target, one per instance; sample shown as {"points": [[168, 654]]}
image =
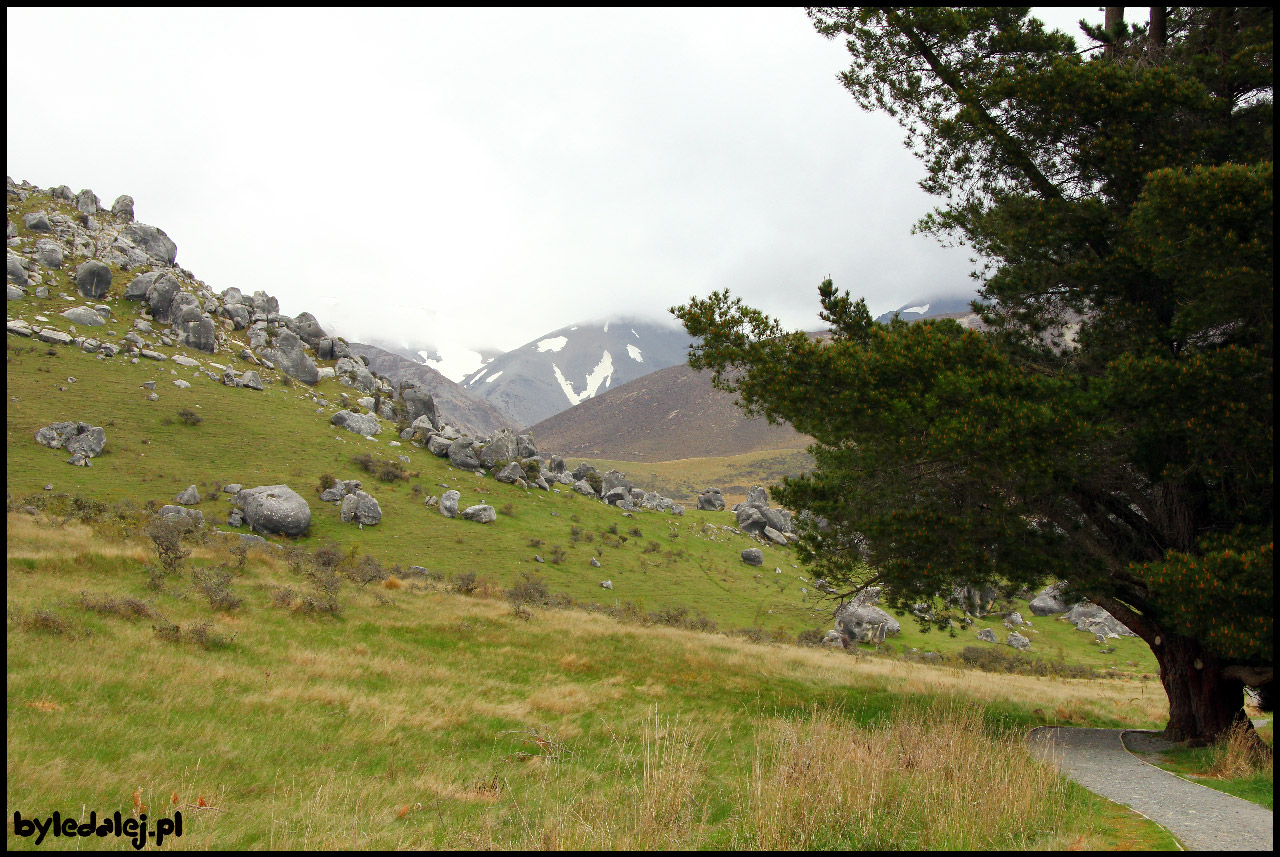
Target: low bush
{"points": [[123, 606], [190, 417], [215, 585]]}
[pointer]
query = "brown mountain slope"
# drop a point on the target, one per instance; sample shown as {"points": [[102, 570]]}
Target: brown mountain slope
{"points": [[456, 406], [665, 415]]}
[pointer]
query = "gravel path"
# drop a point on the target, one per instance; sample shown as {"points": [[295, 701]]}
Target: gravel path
{"points": [[1201, 818]]}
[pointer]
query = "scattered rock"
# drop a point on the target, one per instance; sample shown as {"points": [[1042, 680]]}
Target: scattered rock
{"points": [[190, 497], [93, 279], [449, 504], [987, 635], [1019, 642], [753, 556]]}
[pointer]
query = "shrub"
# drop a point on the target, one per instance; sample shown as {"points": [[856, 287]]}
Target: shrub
{"points": [[166, 535], [384, 471], [530, 590], [367, 571], [282, 596], [327, 481], [508, 509], [125, 607], [326, 583], [46, 621], [535, 543], [190, 417], [812, 637], [557, 555], [328, 555], [635, 531], [593, 479], [465, 582], [204, 636], [652, 547], [215, 585], [239, 551], [416, 491]]}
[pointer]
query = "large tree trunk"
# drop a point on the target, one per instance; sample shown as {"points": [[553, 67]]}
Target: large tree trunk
{"points": [[1203, 702]]}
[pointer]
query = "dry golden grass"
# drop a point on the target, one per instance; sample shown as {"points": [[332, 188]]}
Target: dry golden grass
{"points": [[1239, 754]]}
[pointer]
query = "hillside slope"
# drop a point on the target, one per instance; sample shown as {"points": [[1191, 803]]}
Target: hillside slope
{"points": [[459, 408], [670, 414]]}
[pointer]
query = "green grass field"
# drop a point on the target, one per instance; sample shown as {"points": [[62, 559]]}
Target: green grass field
{"points": [[422, 718]]}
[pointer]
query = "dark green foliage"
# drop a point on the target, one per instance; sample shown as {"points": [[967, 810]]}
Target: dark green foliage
{"points": [[190, 417], [1113, 424]]}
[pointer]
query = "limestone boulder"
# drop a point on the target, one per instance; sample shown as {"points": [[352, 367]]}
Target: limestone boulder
{"points": [[865, 624], [289, 356], [275, 509], [154, 242], [93, 279], [449, 504], [362, 424], [482, 514]]}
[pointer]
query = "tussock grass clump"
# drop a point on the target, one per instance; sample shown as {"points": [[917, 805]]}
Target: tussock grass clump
{"points": [[921, 780], [1240, 754]]}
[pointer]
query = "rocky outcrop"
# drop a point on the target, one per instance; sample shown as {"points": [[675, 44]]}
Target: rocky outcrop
{"points": [[1095, 620], [1048, 601], [360, 508], [76, 438], [288, 355]]}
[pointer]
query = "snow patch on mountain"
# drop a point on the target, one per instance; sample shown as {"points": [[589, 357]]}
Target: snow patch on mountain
{"points": [[920, 309], [454, 364], [493, 377], [634, 352], [554, 343], [602, 374]]}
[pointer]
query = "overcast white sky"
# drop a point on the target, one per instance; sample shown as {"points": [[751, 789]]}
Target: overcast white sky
{"points": [[480, 177]]}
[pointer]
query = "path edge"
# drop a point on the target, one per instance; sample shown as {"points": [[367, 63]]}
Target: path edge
{"points": [[1120, 738], [1179, 776]]}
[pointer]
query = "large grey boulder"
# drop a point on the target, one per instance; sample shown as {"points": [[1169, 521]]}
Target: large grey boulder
{"points": [[525, 447], [275, 509], [1049, 601], [615, 496], [136, 289], [362, 424], [86, 202], [195, 516], [154, 242], [160, 296], [264, 303], [614, 479], [251, 380], [16, 294], [49, 253], [199, 334], [461, 456], [353, 373], [36, 221], [555, 464], [510, 473], [1092, 618], [185, 307], [449, 504], [308, 329], [865, 624], [190, 497], [1018, 641], [122, 208], [500, 449], [711, 500], [750, 520], [482, 514], [17, 273], [93, 279], [753, 556], [438, 445], [581, 471], [418, 403], [987, 635], [360, 508], [289, 357], [84, 316], [582, 486]]}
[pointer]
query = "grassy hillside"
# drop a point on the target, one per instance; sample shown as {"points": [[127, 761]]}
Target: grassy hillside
{"points": [[421, 718], [276, 436]]}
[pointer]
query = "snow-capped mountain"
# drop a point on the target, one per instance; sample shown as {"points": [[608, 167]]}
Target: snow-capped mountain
{"points": [[944, 306], [564, 367]]}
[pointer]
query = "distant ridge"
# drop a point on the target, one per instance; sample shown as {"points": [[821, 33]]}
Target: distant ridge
{"points": [[669, 414]]}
